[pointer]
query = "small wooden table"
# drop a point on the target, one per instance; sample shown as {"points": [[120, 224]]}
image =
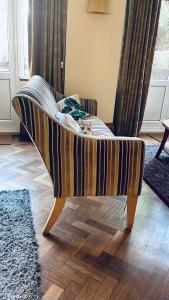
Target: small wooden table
{"points": [[165, 137]]}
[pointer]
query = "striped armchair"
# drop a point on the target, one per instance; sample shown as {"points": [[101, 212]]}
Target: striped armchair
{"points": [[80, 165]]}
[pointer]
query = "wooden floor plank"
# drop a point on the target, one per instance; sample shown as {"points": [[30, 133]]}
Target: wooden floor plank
{"points": [[87, 255], [53, 293], [88, 291], [5, 139], [106, 289]]}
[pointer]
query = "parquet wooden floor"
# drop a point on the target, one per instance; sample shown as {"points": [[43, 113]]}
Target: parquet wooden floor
{"points": [[87, 256]]}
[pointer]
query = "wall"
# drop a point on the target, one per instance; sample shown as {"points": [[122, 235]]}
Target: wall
{"points": [[93, 54]]}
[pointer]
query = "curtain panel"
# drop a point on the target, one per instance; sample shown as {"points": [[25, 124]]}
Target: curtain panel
{"points": [[47, 40], [138, 46]]}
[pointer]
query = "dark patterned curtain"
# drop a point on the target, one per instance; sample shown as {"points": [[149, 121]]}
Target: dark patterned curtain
{"points": [[140, 32], [47, 39]]}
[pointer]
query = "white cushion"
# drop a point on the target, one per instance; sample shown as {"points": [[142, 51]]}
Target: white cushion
{"points": [[68, 121], [99, 128]]}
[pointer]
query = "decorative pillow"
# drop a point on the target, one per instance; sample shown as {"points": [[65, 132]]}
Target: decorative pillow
{"points": [[71, 105], [68, 121]]}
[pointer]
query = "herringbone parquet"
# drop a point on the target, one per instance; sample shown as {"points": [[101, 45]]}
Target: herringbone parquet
{"points": [[87, 256]]}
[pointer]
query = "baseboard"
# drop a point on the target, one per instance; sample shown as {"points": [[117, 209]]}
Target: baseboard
{"points": [[5, 139], [152, 130], [9, 131], [152, 127], [147, 131], [146, 128]]}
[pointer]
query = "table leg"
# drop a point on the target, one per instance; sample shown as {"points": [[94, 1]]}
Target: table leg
{"points": [[166, 134]]}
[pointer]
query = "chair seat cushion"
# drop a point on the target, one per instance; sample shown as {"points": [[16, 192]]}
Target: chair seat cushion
{"points": [[98, 127]]}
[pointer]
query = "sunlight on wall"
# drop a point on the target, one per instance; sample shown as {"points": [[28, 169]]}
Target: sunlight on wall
{"points": [[93, 54]]}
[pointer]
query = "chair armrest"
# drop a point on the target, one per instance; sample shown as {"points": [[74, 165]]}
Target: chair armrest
{"points": [[89, 105], [109, 167]]}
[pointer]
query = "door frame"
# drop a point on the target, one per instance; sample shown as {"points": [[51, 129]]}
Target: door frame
{"points": [[12, 125], [156, 126]]}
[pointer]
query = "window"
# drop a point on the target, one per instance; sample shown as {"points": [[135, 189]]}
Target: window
{"points": [[4, 51], [21, 21], [23, 8], [160, 69]]}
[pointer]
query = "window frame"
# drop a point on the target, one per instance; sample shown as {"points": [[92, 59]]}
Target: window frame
{"points": [[20, 42], [8, 36]]}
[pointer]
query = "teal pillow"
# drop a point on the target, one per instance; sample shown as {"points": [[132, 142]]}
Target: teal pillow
{"points": [[66, 109], [78, 114], [72, 107], [72, 103]]}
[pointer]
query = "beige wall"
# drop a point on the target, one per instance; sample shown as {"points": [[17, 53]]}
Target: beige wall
{"points": [[93, 54]]}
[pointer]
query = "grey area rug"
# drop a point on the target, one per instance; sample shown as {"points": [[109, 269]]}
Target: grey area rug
{"points": [[19, 266], [156, 172]]}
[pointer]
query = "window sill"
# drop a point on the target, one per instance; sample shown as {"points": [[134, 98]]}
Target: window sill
{"points": [[24, 78]]}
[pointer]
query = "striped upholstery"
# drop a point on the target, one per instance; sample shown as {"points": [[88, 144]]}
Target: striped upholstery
{"points": [[89, 105], [81, 166], [99, 129], [58, 96], [39, 89]]}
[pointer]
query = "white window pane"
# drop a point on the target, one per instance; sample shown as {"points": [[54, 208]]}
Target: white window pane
{"points": [[24, 35], [25, 26], [4, 52], [160, 69]]}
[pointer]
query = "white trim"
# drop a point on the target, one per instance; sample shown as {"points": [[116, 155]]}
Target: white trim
{"points": [[20, 39], [152, 127], [156, 126], [12, 125], [24, 77]]}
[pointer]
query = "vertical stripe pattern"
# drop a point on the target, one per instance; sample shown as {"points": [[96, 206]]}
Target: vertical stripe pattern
{"points": [[79, 166], [89, 105]]}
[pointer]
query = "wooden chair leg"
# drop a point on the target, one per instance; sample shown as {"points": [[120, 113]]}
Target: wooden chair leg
{"points": [[165, 137], [131, 209], [55, 213]]}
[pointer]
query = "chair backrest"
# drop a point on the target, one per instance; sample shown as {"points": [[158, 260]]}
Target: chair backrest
{"points": [[38, 89]]}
